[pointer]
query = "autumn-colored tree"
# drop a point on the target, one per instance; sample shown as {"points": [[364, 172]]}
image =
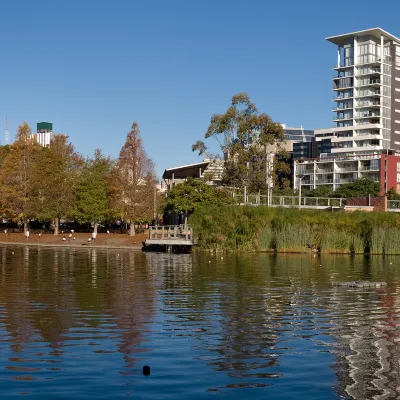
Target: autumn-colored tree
{"points": [[58, 172], [134, 181], [245, 137], [19, 187], [91, 203]]}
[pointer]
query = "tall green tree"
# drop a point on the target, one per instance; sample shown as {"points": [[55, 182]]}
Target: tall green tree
{"points": [[91, 191], [358, 188], [245, 137], [19, 187], [58, 171], [134, 184], [188, 196]]}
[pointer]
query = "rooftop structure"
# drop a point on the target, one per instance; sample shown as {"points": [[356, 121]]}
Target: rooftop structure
{"points": [[210, 170]]}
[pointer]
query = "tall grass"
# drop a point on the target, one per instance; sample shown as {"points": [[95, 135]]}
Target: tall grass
{"points": [[248, 228]]}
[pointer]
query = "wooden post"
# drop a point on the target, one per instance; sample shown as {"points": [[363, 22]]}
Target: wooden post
{"points": [[150, 232], [162, 233]]}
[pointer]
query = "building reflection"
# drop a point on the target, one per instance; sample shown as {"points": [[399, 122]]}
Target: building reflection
{"points": [[234, 313]]}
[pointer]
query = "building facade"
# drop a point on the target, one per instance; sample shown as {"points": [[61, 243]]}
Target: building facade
{"points": [[366, 121], [209, 170]]}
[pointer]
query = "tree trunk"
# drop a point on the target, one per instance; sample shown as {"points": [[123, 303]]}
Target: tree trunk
{"points": [[132, 229], [26, 225], [56, 225], [95, 227], [186, 218]]}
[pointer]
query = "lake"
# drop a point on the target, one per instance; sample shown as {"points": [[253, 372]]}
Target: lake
{"points": [[82, 323]]}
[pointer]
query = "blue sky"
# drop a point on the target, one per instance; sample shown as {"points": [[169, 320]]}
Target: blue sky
{"points": [[92, 67]]}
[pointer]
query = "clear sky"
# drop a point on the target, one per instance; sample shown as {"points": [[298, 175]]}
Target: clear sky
{"points": [[92, 67]]}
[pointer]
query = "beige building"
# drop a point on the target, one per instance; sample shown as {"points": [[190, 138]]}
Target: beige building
{"points": [[209, 170]]}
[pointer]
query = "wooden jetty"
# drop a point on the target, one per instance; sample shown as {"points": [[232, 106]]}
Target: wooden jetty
{"points": [[170, 238]]}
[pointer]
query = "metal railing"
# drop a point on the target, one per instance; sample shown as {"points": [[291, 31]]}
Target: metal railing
{"points": [[290, 201], [393, 204], [171, 232]]}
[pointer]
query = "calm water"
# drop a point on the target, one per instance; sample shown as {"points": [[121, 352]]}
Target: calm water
{"points": [[83, 323]]}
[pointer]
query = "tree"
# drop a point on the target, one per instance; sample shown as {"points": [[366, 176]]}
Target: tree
{"points": [[58, 171], [392, 194], [321, 191], [134, 187], [19, 187], [358, 188], [187, 196], [91, 191], [245, 137]]}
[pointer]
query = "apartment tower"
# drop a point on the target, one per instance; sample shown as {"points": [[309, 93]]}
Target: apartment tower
{"points": [[366, 120]]}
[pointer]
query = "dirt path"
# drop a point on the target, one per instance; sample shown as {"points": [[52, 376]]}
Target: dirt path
{"points": [[77, 240]]}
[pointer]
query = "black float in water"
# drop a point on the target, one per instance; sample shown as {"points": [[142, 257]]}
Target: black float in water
{"points": [[146, 370]]}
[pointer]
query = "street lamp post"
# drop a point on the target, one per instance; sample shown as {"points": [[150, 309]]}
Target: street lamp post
{"points": [[268, 161], [300, 176]]}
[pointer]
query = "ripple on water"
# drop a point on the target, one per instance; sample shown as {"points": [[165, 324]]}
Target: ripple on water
{"points": [[82, 324]]}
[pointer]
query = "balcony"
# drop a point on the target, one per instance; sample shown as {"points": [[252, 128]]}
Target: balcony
{"points": [[304, 171], [338, 109], [363, 104], [348, 63], [370, 71], [342, 86], [340, 75], [369, 93], [368, 114], [367, 168], [374, 59], [370, 82], [342, 117], [347, 170]]}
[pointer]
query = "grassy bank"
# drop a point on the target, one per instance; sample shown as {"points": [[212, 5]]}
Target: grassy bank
{"points": [[238, 228]]}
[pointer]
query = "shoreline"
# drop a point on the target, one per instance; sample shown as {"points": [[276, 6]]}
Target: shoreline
{"points": [[72, 246], [77, 241]]}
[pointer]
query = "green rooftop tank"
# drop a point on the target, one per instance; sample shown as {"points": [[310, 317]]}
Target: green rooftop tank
{"points": [[44, 127]]}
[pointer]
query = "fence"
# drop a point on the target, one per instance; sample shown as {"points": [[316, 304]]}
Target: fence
{"points": [[171, 232], [291, 201]]}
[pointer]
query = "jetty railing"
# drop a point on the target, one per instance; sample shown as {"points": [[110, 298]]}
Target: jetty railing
{"points": [[177, 232]]}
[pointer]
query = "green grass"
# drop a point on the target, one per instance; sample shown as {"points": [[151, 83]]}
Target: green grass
{"points": [[249, 228]]}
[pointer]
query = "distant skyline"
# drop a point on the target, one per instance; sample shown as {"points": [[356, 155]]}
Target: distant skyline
{"points": [[93, 67]]}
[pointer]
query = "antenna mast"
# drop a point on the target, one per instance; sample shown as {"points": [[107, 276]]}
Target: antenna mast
{"points": [[6, 131]]}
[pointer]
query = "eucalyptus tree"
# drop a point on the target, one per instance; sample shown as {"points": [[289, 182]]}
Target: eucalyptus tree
{"points": [[245, 137]]}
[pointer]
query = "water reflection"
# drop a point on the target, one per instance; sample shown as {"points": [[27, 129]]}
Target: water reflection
{"points": [[257, 325]]}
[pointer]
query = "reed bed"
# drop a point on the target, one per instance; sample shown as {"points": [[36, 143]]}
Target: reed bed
{"points": [[249, 228]]}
